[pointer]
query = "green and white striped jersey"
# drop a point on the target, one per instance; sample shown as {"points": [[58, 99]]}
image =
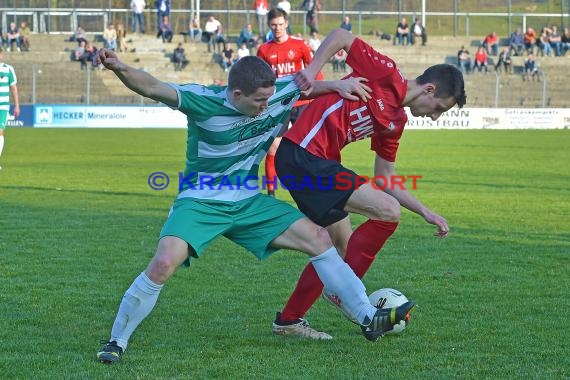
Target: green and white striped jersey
{"points": [[225, 147], [7, 79]]}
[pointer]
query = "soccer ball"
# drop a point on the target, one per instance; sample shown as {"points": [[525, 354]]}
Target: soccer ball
{"points": [[387, 298]]}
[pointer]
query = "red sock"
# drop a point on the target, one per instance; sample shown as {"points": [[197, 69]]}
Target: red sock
{"points": [[364, 244], [270, 173], [308, 289]]}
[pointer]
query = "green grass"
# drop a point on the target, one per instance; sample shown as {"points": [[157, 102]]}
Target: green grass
{"points": [[78, 222]]}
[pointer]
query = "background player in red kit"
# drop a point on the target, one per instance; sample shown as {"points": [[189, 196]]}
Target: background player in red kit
{"points": [[286, 55], [311, 149]]}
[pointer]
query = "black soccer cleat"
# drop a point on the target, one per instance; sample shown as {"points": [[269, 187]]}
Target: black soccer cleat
{"points": [[385, 319], [110, 353]]}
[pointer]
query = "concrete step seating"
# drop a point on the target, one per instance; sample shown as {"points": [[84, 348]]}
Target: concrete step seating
{"points": [[48, 68]]}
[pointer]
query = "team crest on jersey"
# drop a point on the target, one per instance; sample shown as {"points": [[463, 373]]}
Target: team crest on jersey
{"points": [[291, 54], [391, 126]]}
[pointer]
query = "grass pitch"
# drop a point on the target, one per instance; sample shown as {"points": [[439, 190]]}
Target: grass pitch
{"points": [[78, 222]]}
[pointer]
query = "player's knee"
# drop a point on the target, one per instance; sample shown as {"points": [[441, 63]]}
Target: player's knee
{"points": [[389, 210], [168, 257], [322, 240], [160, 269]]}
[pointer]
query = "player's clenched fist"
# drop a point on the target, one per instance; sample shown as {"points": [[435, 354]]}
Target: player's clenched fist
{"points": [[108, 58]]}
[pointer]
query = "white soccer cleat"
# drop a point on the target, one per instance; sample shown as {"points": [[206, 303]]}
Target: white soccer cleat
{"points": [[299, 328]]}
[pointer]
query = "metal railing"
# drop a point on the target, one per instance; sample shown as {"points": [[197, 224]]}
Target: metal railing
{"points": [[65, 20]]}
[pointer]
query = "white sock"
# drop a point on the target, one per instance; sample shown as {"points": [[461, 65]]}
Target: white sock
{"points": [[338, 278], [137, 303], [1, 144]]}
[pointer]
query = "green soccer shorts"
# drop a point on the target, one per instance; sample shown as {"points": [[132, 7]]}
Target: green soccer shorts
{"points": [[252, 223]]}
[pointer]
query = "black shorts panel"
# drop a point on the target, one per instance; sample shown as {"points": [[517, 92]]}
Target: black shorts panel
{"points": [[320, 187]]}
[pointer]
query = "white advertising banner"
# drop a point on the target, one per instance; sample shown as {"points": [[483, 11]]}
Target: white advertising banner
{"points": [[495, 118], [74, 116]]}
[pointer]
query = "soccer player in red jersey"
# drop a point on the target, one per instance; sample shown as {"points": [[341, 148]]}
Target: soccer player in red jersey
{"points": [[286, 55], [312, 149]]}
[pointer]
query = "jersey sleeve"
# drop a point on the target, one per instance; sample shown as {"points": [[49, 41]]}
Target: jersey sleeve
{"points": [[286, 91], [261, 53], [200, 102], [386, 146], [367, 62]]}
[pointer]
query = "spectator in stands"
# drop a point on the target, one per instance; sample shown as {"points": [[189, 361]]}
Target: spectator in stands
{"points": [[312, 7], [530, 68], [480, 60], [346, 24], [210, 31], [247, 36], [110, 37], [543, 42], [220, 38], [339, 61], [88, 55], [403, 32], [314, 42], [121, 37], [25, 34], [565, 41], [162, 9], [195, 30], [491, 43], [179, 58], [419, 32], [137, 6], [13, 37], [243, 51], [285, 6], [165, 30], [79, 35], [530, 40], [555, 40], [504, 61], [261, 9], [78, 52], [516, 42], [464, 60], [228, 57]]}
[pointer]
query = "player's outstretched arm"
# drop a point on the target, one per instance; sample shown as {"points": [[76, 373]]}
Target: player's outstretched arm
{"points": [[352, 88], [336, 40], [137, 80], [385, 169]]}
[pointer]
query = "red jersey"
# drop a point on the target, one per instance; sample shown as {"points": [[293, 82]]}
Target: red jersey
{"points": [[287, 58], [330, 123]]}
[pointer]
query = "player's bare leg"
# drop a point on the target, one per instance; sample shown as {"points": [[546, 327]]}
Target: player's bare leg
{"points": [[140, 298]]}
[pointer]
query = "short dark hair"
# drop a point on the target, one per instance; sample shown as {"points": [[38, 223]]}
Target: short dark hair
{"points": [[250, 73], [448, 81], [277, 12]]}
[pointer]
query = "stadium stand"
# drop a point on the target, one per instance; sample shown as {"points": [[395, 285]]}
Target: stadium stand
{"points": [[59, 80]]}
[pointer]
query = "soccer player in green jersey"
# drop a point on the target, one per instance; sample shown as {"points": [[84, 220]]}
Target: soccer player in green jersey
{"points": [[8, 82], [230, 130]]}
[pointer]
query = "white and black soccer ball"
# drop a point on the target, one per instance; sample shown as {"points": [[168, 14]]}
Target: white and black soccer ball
{"points": [[387, 298]]}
